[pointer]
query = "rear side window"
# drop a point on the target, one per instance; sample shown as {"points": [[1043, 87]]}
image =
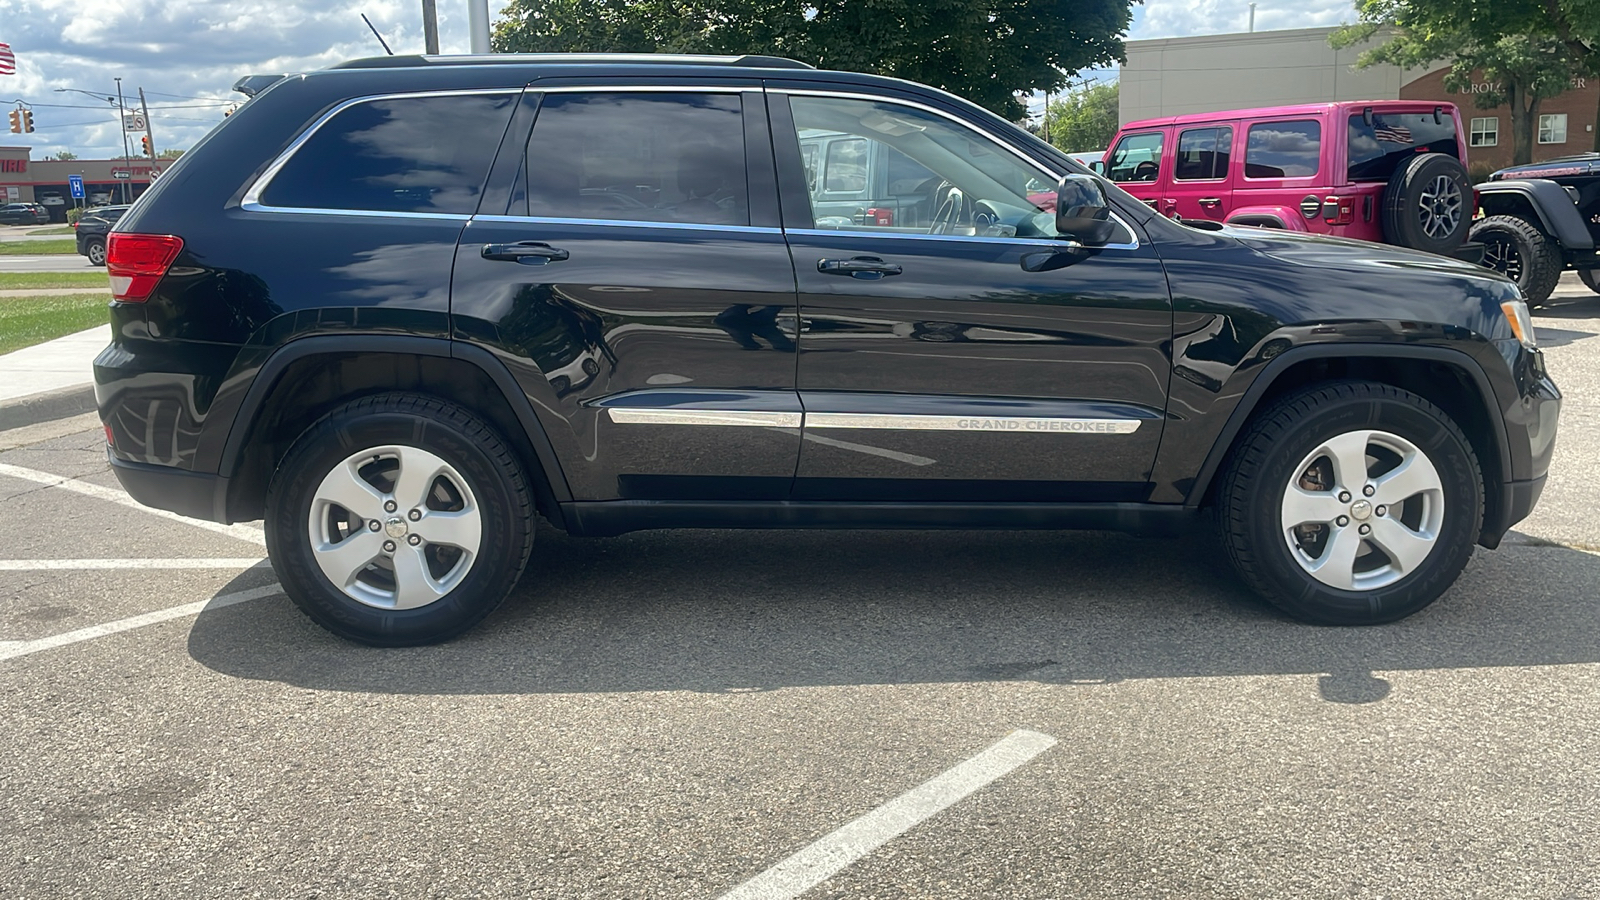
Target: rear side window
{"points": [[1376, 150], [1283, 149], [1137, 158], [405, 154], [1203, 154], [644, 157]]}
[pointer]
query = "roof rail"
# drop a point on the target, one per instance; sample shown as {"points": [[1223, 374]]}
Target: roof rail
{"points": [[657, 59]]}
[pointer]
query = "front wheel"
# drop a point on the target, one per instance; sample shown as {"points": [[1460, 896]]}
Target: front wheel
{"points": [[1517, 249], [1351, 503], [398, 520]]}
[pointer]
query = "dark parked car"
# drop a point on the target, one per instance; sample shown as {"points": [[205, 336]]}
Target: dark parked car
{"points": [[24, 214], [1540, 219], [92, 228], [399, 307]]}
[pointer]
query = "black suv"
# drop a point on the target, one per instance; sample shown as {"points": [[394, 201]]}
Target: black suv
{"points": [[24, 214], [91, 231], [398, 307], [1540, 219]]}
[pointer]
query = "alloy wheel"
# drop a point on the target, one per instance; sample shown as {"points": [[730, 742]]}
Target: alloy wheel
{"points": [[1500, 254], [1363, 510], [395, 527], [1440, 207]]}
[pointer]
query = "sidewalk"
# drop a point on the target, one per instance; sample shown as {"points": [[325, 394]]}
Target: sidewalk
{"points": [[52, 378]]}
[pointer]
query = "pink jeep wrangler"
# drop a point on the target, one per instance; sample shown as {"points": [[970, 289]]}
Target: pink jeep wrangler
{"points": [[1389, 171]]}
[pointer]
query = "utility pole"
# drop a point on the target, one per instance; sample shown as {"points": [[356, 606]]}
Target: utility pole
{"points": [[149, 136], [1252, 18], [430, 26], [478, 24], [127, 154]]}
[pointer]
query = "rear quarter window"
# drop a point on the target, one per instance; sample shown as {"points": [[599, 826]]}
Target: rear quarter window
{"points": [[402, 154], [1290, 149]]}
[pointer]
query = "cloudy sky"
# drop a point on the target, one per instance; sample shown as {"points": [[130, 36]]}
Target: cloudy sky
{"points": [[186, 54]]}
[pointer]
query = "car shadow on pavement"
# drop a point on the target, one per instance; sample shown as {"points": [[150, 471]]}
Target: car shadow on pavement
{"points": [[722, 611]]}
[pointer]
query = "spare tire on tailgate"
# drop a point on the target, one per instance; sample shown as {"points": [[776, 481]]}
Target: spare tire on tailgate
{"points": [[1428, 204]]}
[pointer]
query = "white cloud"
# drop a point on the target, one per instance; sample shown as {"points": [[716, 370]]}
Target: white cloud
{"points": [[186, 54], [1182, 18]]}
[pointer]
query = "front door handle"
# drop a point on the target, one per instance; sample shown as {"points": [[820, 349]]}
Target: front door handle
{"points": [[1210, 201], [530, 253], [864, 267]]}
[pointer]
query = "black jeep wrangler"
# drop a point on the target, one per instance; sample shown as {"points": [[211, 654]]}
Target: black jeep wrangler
{"points": [[1541, 219], [400, 307]]}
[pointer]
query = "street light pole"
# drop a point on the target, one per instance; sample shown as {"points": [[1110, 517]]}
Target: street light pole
{"points": [[430, 27], [478, 24], [127, 154]]}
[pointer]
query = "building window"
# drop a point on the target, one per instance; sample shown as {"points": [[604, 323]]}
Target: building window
{"points": [[1486, 132], [1553, 129]]}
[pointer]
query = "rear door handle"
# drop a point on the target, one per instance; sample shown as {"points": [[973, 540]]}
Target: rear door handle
{"points": [[863, 267], [530, 253], [1210, 201]]}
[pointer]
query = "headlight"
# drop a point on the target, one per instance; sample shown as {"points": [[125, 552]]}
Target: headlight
{"points": [[1521, 323]]}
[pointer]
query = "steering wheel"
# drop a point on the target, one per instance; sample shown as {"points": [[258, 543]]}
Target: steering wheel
{"points": [[954, 209]]}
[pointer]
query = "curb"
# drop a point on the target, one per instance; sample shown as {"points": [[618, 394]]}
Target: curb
{"points": [[47, 405]]}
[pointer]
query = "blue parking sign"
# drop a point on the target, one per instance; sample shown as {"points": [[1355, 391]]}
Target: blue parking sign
{"points": [[75, 184]]}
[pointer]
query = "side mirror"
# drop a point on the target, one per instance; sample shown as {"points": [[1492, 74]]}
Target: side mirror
{"points": [[1082, 212], [1098, 167]]}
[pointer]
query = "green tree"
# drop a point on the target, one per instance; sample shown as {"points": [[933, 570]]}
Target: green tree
{"points": [[1526, 50], [63, 154], [169, 153], [985, 51], [1083, 120]]}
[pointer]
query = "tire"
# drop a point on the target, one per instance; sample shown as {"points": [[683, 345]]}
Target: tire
{"points": [[1295, 443], [1591, 278], [96, 251], [473, 527], [1427, 204], [1517, 249]]}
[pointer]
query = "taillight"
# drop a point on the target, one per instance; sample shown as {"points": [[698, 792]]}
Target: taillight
{"points": [[1339, 210], [136, 263]]}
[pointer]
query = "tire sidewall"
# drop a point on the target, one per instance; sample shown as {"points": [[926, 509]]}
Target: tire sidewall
{"points": [[1402, 198], [1541, 259], [288, 542], [93, 248], [1309, 598]]}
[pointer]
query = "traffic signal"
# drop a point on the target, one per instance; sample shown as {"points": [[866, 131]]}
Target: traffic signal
{"points": [[27, 120], [16, 121], [145, 142]]}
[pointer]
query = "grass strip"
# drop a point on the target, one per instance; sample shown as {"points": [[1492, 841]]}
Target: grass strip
{"points": [[33, 281], [25, 321], [37, 248]]}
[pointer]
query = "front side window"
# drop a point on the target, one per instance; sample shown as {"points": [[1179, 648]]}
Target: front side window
{"points": [[1203, 154], [1283, 149], [404, 154], [1553, 129], [644, 157], [931, 175], [1486, 132], [1380, 146], [1137, 157]]}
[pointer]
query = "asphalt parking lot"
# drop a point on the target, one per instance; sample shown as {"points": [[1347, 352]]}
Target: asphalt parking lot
{"points": [[839, 715]]}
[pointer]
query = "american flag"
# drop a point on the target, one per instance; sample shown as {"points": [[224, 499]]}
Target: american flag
{"points": [[1392, 134], [8, 60]]}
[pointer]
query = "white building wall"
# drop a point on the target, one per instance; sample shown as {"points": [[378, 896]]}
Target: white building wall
{"points": [[1174, 76]]}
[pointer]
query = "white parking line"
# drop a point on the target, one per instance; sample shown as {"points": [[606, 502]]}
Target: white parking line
{"points": [[832, 853], [31, 565], [251, 533], [14, 649]]}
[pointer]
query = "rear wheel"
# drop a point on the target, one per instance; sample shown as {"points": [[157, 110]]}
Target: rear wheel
{"points": [[1352, 503], [1426, 205], [96, 251], [1517, 249], [399, 520]]}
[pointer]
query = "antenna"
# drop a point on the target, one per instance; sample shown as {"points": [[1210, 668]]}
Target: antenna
{"points": [[377, 35]]}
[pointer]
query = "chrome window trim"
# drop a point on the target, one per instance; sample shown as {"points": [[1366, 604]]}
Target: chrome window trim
{"points": [[252, 195], [977, 424], [1025, 158], [635, 223]]}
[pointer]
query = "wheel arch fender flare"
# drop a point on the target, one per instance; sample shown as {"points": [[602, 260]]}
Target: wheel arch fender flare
{"points": [[1558, 215], [276, 365], [1250, 402]]}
